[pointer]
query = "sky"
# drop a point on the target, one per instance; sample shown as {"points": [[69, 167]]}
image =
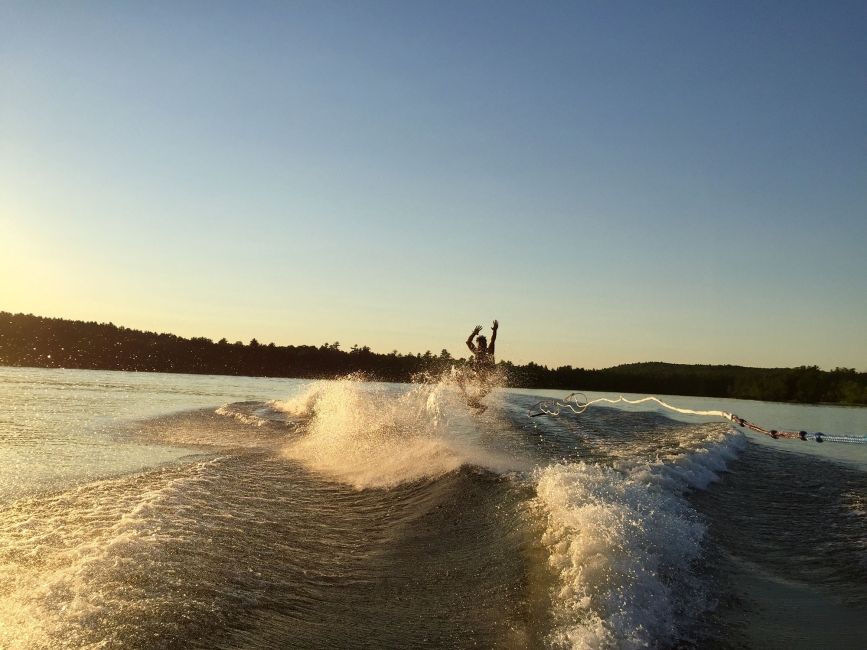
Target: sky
{"points": [[614, 181]]}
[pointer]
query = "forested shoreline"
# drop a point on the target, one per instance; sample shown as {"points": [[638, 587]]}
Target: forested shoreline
{"points": [[34, 341]]}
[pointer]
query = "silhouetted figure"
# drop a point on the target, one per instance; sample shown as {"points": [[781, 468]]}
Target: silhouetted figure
{"points": [[481, 367], [484, 353]]}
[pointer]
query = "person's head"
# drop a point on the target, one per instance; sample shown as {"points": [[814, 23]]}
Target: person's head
{"points": [[482, 342]]}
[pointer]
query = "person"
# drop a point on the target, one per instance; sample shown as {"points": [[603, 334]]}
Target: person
{"points": [[483, 359], [482, 366]]}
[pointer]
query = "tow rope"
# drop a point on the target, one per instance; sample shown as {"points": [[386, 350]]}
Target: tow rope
{"points": [[572, 402]]}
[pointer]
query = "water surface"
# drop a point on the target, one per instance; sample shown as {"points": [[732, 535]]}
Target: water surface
{"points": [[146, 510]]}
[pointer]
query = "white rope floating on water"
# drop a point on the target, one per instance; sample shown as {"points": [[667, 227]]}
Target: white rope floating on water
{"points": [[553, 407]]}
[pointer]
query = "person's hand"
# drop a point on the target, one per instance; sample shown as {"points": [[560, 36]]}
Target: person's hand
{"points": [[496, 325], [477, 330]]}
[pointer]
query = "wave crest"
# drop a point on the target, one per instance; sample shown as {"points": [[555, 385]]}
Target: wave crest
{"points": [[622, 543]]}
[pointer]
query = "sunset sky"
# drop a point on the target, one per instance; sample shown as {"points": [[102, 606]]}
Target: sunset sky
{"points": [[613, 181]]}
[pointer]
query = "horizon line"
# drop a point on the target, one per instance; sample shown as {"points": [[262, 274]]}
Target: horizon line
{"points": [[317, 346]]}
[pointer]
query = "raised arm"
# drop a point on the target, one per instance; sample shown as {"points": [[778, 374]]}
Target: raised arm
{"points": [[493, 338], [470, 344]]}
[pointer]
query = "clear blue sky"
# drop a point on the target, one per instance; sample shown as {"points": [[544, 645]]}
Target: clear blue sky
{"points": [[613, 181]]}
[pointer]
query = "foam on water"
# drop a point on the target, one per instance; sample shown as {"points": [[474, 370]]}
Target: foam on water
{"points": [[622, 541], [231, 411], [65, 573], [369, 436]]}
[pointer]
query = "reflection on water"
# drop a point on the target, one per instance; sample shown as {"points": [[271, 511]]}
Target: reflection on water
{"points": [[58, 426]]}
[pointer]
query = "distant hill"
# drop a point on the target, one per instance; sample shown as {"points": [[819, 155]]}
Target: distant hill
{"points": [[35, 341]]}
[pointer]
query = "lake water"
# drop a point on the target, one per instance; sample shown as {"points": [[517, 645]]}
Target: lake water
{"points": [[143, 510]]}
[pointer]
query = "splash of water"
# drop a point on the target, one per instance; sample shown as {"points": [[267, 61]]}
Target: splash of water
{"points": [[372, 436]]}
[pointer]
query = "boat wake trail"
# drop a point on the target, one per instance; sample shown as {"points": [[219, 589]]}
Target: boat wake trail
{"points": [[623, 542]]}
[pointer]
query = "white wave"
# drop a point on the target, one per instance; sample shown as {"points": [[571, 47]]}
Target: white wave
{"points": [[696, 466], [370, 436], [67, 570], [199, 429], [229, 410], [622, 542]]}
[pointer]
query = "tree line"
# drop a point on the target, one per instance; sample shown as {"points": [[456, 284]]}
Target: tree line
{"points": [[34, 341]]}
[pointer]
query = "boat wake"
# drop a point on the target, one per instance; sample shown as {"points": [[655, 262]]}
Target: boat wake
{"points": [[623, 542]]}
